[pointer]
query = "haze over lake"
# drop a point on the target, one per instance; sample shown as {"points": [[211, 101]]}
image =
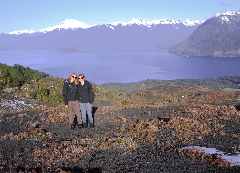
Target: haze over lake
{"points": [[104, 67]]}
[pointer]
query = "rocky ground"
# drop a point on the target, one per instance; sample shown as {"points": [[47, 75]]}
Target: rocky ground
{"points": [[144, 134]]}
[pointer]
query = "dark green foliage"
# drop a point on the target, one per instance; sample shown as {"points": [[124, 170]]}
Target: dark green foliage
{"points": [[48, 90], [40, 86], [17, 76]]}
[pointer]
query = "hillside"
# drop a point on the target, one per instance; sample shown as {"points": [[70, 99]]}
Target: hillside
{"points": [[17, 76], [214, 83], [140, 127], [216, 37]]}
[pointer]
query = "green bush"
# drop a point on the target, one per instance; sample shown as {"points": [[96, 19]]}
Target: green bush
{"points": [[48, 90], [17, 76], [40, 86]]}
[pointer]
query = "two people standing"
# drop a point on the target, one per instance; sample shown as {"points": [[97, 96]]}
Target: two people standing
{"points": [[78, 97]]}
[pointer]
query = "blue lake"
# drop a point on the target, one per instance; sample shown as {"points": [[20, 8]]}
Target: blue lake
{"points": [[102, 67]]}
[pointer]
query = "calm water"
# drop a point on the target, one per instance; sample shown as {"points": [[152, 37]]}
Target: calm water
{"points": [[104, 67]]}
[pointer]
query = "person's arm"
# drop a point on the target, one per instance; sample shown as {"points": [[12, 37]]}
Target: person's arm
{"points": [[91, 94], [78, 93], [64, 92]]}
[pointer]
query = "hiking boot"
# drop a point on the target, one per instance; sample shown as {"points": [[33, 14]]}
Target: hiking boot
{"points": [[85, 125], [91, 125], [73, 126], [80, 126]]}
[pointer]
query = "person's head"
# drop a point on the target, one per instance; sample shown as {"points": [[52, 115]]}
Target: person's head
{"points": [[81, 77], [72, 77], [76, 81]]}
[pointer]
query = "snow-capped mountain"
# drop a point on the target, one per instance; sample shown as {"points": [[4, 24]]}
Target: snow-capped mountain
{"points": [[134, 35], [217, 37], [228, 16], [150, 23], [76, 24], [66, 24], [228, 13]]}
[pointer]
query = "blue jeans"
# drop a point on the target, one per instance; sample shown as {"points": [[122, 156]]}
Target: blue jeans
{"points": [[86, 110]]}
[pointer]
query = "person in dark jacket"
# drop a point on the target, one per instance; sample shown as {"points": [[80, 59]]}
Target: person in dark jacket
{"points": [[86, 98], [70, 89]]}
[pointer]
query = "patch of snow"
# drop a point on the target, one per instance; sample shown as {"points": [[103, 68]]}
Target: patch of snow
{"points": [[149, 23], [234, 160], [227, 16], [14, 104], [192, 22], [25, 31], [110, 26], [225, 19], [76, 24], [228, 13], [66, 24], [204, 150]]}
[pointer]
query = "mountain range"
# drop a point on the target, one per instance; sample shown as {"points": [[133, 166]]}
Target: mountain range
{"points": [[216, 37], [73, 35]]}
